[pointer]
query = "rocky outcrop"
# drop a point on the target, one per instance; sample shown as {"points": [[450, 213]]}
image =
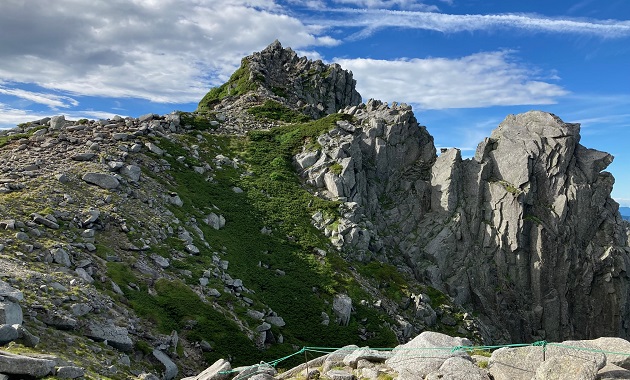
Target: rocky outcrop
{"points": [[312, 87], [433, 356], [524, 233]]}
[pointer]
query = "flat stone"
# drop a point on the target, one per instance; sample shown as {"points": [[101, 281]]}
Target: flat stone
{"points": [[83, 156], [12, 364], [44, 221], [117, 337], [104, 181]]}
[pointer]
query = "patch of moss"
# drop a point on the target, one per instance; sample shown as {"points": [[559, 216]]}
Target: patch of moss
{"points": [[387, 277], [336, 168]]}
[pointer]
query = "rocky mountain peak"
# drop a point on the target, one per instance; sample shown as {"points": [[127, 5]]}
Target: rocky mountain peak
{"points": [[166, 243], [311, 87]]}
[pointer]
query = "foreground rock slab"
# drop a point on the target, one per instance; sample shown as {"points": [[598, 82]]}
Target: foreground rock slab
{"points": [[12, 364]]}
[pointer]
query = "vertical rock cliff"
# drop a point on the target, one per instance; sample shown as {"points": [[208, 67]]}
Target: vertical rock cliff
{"points": [[525, 233]]}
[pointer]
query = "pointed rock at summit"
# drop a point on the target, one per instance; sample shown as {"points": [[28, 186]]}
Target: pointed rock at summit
{"points": [[311, 87]]}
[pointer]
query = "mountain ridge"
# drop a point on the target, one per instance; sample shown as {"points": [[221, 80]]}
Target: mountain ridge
{"points": [[179, 239]]}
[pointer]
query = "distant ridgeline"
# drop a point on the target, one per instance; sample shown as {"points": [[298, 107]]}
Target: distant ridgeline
{"points": [[625, 212]]}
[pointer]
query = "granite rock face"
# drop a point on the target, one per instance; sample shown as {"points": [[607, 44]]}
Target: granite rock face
{"points": [[312, 87], [525, 233]]}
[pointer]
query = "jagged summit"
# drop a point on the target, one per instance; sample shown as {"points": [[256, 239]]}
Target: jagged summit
{"points": [[311, 87]]}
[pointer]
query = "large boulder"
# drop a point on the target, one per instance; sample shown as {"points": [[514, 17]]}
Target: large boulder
{"points": [[117, 337], [425, 354], [522, 363], [458, 368], [12, 364], [342, 307]]}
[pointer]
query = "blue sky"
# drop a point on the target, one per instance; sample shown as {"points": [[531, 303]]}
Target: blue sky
{"points": [[462, 64]]}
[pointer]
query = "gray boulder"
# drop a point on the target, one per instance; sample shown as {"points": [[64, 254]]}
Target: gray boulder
{"points": [[12, 364], [101, 180], [60, 256], [458, 368], [25, 337], [117, 337], [57, 122], [154, 148], [419, 357], [611, 344], [364, 353], [10, 292], [10, 312], [59, 321], [170, 368], [566, 368], [44, 221], [83, 156], [8, 333], [342, 307], [132, 172], [522, 363], [215, 221], [69, 372]]}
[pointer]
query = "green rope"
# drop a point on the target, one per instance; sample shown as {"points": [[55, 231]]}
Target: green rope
{"points": [[327, 350]]}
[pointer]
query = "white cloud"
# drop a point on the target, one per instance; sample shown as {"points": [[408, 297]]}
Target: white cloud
{"points": [[10, 117], [373, 19], [54, 102], [478, 80], [386, 4], [623, 202], [164, 51]]}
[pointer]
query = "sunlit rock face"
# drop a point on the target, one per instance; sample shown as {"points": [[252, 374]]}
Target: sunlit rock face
{"points": [[525, 233]]}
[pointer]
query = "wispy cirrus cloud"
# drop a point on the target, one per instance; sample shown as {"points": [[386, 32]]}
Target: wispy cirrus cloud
{"points": [[478, 80], [374, 19], [54, 102], [387, 4]]}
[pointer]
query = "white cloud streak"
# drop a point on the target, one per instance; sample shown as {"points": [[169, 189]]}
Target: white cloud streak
{"points": [[373, 19], [478, 80], [386, 4], [54, 102]]}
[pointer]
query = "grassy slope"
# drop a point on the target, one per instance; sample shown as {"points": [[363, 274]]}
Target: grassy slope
{"points": [[273, 198]]}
